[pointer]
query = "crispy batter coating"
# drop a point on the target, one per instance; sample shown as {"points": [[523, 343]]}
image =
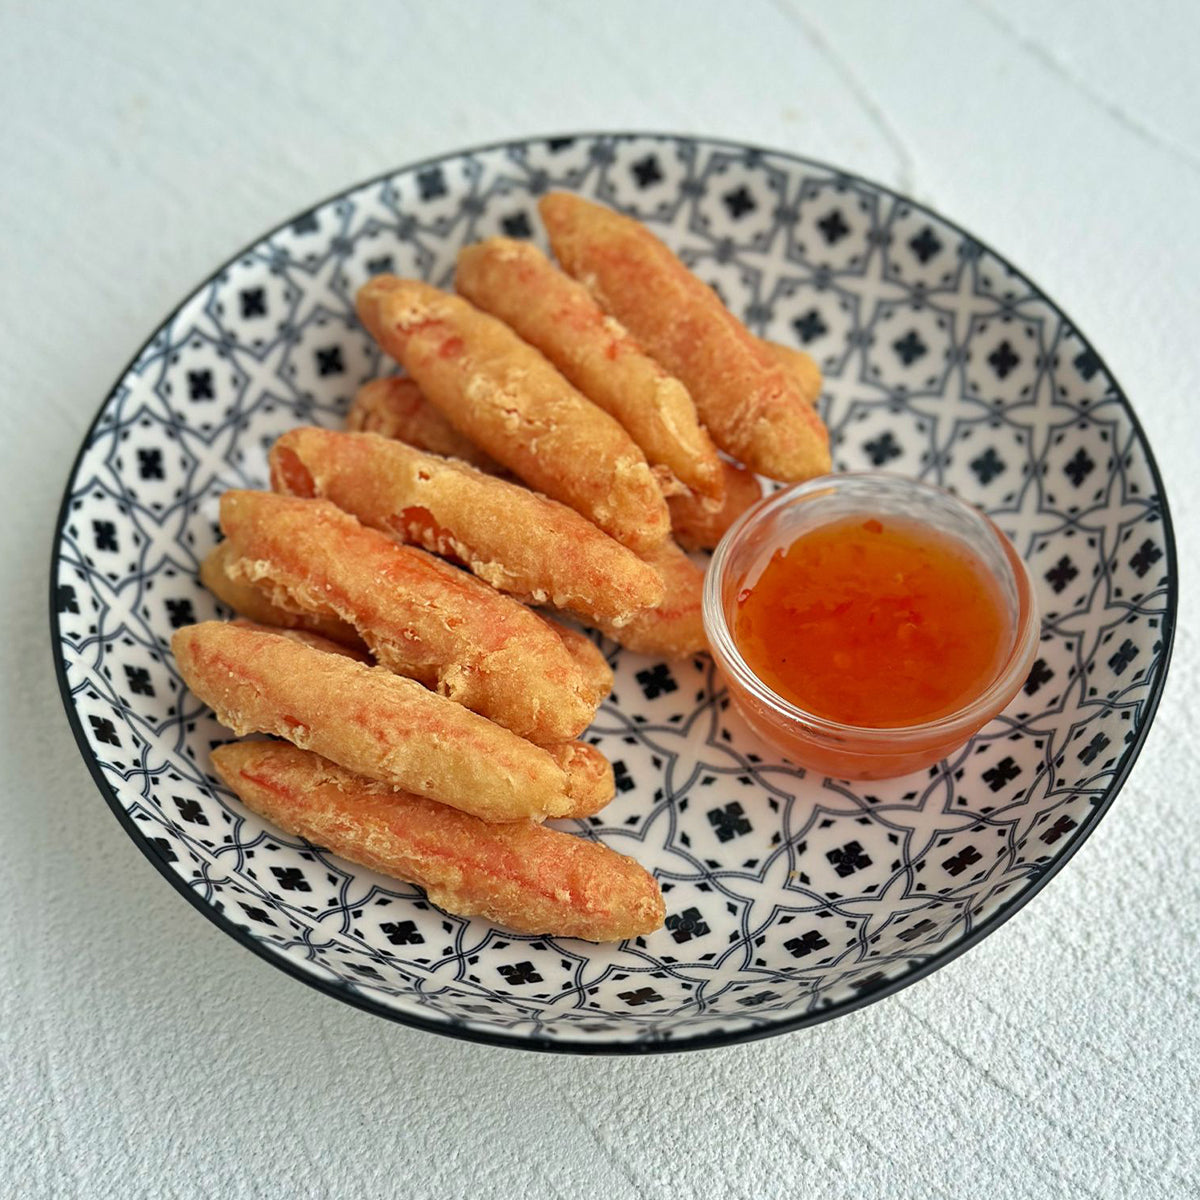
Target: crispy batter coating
{"points": [[520, 875], [508, 399], [516, 282], [315, 640], [593, 666], [696, 527], [395, 408], [255, 604], [516, 540], [800, 366], [371, 721], [419, 616], [752, 408], [675, 629], [590, 780]]}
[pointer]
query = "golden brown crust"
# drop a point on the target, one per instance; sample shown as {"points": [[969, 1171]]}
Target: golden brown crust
{"points": [[593, 666], [305, 637], [675, 629], [254, 604], [590, 780], [516, 282], [509, 400], [752, 408], [694, 524], [520, 875], [519, 542], [800, 366], [369, 720], [419, 616], [394, 408]]}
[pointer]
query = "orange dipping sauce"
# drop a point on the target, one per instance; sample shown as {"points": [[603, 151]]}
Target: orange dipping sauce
{"points": [[878, 622]]}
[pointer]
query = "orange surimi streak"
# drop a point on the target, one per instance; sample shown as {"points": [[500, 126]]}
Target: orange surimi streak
{"points": [[520, 875], [516, 282], [510, 401], [752, 407], [519, 542], [376, 723], [419, 616]]}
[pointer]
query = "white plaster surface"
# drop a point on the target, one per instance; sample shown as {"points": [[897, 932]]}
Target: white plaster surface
{"points": [[145, 1054]]}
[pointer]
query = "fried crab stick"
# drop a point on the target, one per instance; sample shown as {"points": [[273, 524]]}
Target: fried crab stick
{"points": [[305, 638], [675, 629], [695, 526], [516, 282], [510, 401], [394, 408], [381, 725], [418, 616], [254, 604], [596, 673], [521, 875], [590, 781], [593, 667], [514, 539], [752, 408], [800, 366]]}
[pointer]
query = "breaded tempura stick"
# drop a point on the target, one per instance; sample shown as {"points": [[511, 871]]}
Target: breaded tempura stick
{"points": [[590, 780], [315, 640], [516, 540], [697, 527], [752, 408], [694, 525], [800, 366], [521, 875], [675, 629], [256, 605], [371, 721], [395, 408], [418, 616], [516, 282], [587, 656], [509, 400], [597, 674]]}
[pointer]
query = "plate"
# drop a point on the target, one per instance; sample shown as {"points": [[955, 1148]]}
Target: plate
{"points": [[790, 899]]}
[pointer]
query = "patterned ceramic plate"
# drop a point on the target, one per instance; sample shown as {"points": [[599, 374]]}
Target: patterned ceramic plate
{"points": [[790, 899]]}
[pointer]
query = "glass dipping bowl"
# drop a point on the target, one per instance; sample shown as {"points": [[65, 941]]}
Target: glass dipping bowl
{"points": [[855, 751]]}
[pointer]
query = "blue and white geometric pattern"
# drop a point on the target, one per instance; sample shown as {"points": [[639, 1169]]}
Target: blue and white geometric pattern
{"points": [[789, 897]]}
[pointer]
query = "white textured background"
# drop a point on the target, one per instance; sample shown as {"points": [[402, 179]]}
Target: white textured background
{"points": [[143, 1053]]}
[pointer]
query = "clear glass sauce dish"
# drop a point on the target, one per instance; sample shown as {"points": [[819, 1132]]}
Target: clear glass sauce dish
{"points": [[847, 751]]}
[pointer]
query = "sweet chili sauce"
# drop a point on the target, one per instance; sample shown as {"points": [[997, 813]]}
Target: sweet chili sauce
{"points": [[879, 622]]}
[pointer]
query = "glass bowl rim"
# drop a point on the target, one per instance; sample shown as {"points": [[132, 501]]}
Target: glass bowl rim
{"points": [[964, 719]]}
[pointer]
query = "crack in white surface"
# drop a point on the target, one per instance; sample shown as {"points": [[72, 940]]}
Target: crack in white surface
{"points": [[1078, 83], [614, 1159], [1008, 1089], [905, 164], [858, 1133]]}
